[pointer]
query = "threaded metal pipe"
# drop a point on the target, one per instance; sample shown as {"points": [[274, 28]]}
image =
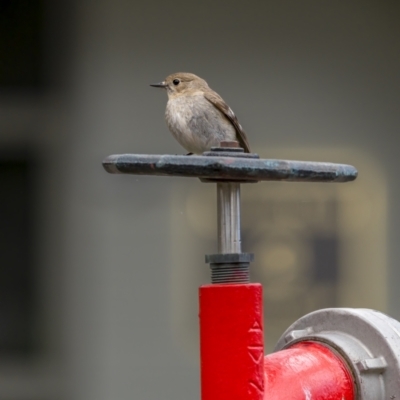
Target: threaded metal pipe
{"points": [[230, 273]]}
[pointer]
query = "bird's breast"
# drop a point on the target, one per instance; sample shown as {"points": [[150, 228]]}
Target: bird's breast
{"points": [[177, 115]]}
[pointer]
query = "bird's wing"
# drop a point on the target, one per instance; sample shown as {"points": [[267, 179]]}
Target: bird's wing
{"points": [[217, 101]]}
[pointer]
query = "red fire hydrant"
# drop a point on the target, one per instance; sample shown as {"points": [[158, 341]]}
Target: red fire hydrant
{"points": [[331, 354]]}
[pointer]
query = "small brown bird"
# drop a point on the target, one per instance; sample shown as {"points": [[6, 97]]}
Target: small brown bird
{"points": [[197, 116]]}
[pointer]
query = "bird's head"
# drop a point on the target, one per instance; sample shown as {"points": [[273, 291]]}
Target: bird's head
{"points": [[181, 83]]}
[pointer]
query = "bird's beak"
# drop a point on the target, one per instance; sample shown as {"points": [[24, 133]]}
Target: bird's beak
{"points": [[159, 84]]}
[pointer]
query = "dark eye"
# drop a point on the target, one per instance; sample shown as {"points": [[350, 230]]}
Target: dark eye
{"points": [[176, 82]]}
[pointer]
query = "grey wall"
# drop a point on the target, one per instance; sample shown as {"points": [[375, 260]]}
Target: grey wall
{"points": [[297, 73]]}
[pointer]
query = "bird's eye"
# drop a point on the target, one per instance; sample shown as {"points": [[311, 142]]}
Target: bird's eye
{"points": [[176, 82]]}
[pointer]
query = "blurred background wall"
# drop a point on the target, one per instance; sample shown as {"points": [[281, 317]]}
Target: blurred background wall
{"points": [[99, 273]]}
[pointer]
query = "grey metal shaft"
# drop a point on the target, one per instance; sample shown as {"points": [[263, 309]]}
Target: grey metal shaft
{"points": [[228, 201]]}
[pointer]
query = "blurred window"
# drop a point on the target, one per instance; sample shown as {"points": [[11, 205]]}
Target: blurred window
{"points": [[17, 310], [21, 44]]}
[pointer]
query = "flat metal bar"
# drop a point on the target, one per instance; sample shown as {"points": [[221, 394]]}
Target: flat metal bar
{"points": [[228, 215], [229, 168]]}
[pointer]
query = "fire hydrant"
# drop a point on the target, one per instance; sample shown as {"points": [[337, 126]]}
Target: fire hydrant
{"points": [[331, 354]]}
